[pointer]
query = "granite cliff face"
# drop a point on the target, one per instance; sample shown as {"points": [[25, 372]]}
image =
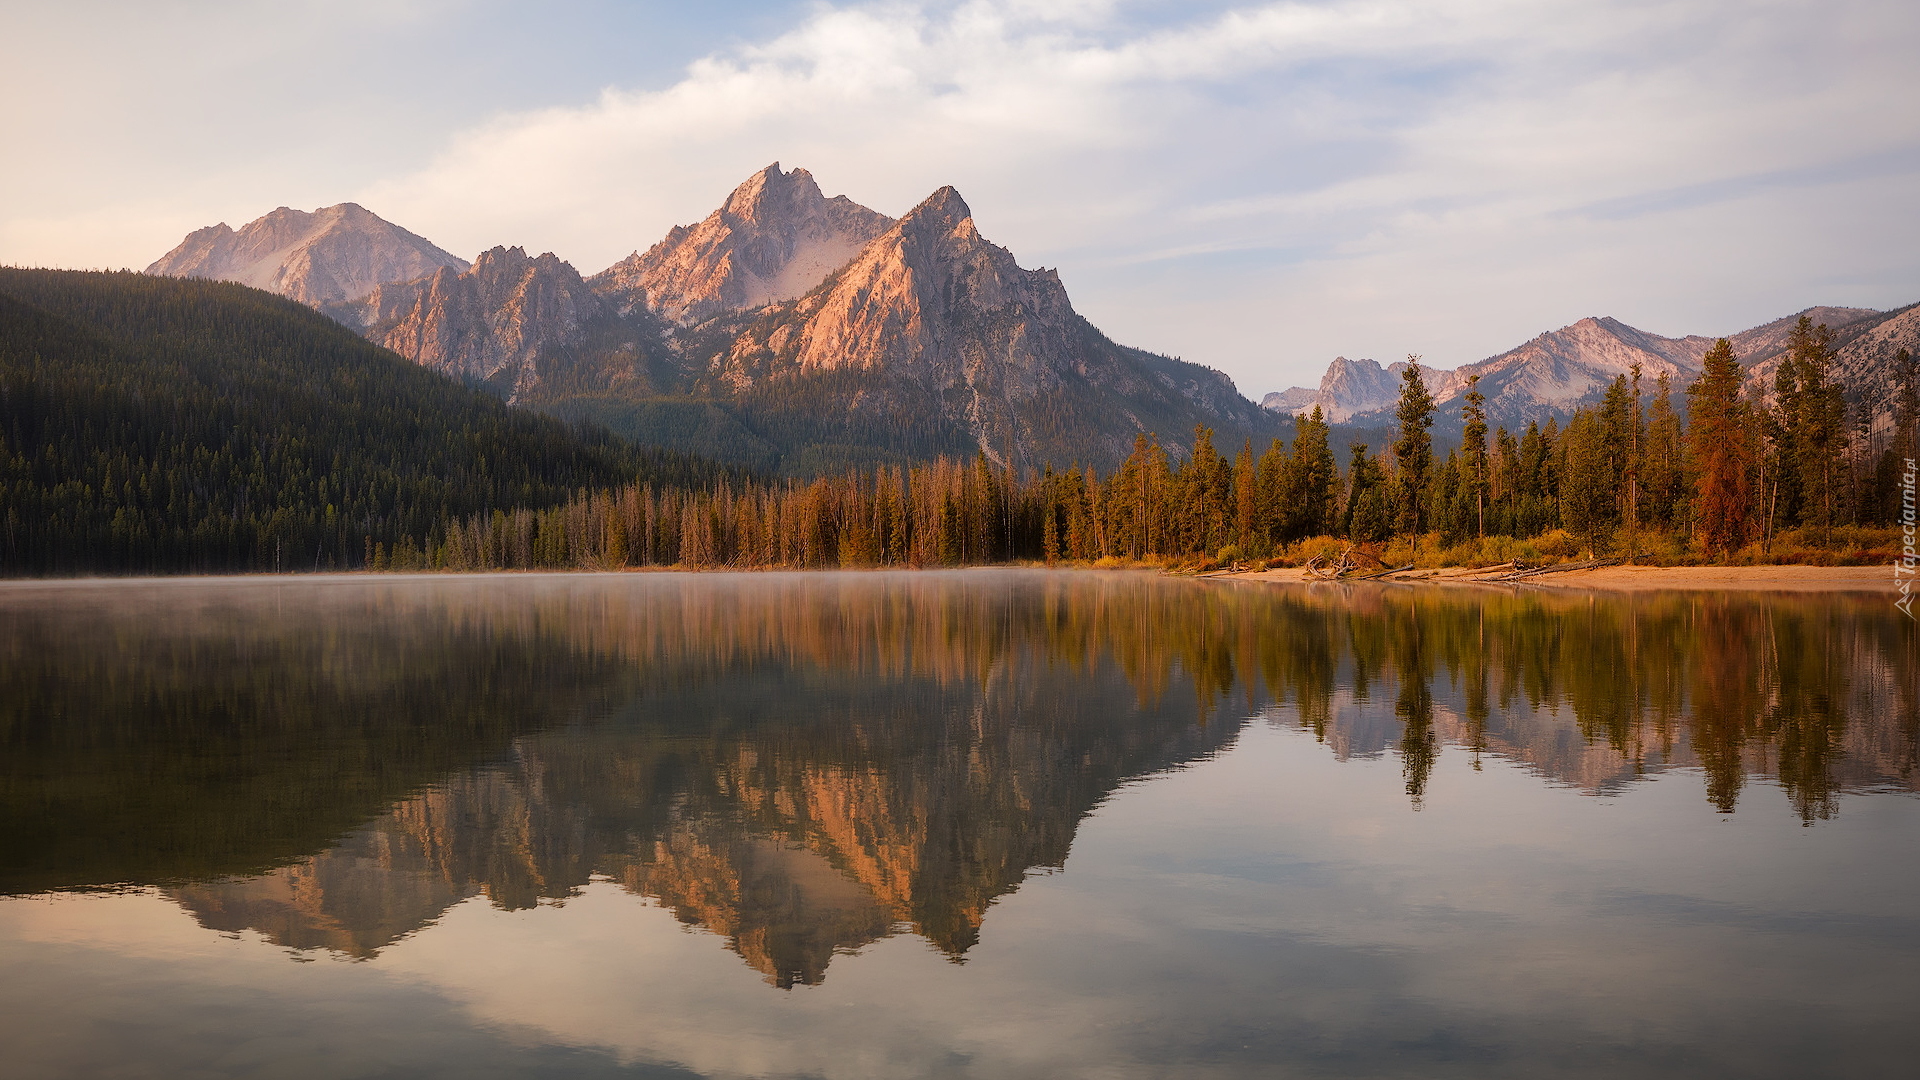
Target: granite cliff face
{"points": [[932, 310], [787, 330], [774, 238], [336, 253], [502, 321], [1348, 387]]}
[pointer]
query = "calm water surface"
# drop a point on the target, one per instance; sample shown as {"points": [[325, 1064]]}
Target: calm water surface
{"points": [[977, 824]]}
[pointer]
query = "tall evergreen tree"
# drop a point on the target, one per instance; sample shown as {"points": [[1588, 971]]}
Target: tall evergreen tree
{"points": [[1504, 493], [1313, 479], [1589, 478], [1662, 471], [1270, 496], [1369, 513], [1246, 496], [1718, 442], [1473, 453], [1818, 422], [1413, 450], [1634, 462]]}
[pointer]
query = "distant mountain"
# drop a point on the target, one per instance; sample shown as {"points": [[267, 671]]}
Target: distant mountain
{"points": [[1568, 368], [1768, 340], [149, 424], [1349, 388], [334, 254], [1864, 350], [775, 238]]}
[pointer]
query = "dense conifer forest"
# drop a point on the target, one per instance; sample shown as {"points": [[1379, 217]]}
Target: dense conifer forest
{"points": [[1722, 474], [161, 425], [158, 425]]}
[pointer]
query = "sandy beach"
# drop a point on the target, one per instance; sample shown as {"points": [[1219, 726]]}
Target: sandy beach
{"points": [[1630, 578]]}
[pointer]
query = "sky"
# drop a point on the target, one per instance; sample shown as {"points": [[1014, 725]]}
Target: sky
{"points": [[1257, 187]]}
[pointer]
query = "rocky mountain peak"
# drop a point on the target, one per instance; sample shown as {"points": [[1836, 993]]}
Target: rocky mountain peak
{"points": [[942, 212], [1349, 387], [771, 194], [334, 254], [931, 311], [500, 320], [928, 272], [774, 238]]}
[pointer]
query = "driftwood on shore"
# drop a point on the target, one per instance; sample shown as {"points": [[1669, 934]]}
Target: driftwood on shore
{"points": [[1591, 564], [1349, 566], [1383, 573], [1350, 561], [1515, 566]]}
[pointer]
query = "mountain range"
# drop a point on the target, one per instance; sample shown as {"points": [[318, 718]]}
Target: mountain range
{"points": [[1571, 367], [803, 334], [787, 330]]}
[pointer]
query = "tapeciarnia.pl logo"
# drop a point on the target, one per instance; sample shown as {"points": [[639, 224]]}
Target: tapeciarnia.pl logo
{"points": [[1903, 567]]}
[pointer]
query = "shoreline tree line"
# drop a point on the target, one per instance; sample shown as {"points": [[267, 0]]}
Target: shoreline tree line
{"points": [[1704, 474], [153, 425]]}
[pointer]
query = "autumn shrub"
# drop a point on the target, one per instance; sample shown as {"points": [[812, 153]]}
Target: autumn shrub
{"points": [[1300, 551], [1558, 544], [1485, 551], [1660, 549]]}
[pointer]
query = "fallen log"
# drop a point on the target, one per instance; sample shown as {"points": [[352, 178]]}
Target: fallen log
{"points": [[1591, 564], [1381, 574], [1515, 566], [1326, 568]]}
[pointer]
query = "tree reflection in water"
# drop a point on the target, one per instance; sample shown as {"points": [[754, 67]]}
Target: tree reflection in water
{"points": [[805, 764]]}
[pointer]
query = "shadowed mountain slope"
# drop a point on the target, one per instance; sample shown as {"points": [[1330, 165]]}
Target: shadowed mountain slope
{"points": [[150, 424]]}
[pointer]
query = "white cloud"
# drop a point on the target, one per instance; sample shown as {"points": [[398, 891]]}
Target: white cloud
{"points": [[1262, 187]]}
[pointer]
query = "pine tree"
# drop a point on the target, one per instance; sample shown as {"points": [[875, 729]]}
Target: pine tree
{"points": [[1663, 475], [1818, 422], [1504, 495], [1245, 497], [1451, 500], [1413, 450], [1311, 481], [1719, 444], [1369, 513], [1589, 484], [1271, 510], [1473, 453], [1634, 463]]}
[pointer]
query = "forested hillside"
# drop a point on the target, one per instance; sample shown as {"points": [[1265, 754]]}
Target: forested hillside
{"points": [[155, 425]]}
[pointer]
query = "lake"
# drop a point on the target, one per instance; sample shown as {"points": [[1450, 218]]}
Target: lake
{"points": [[991, 823]]}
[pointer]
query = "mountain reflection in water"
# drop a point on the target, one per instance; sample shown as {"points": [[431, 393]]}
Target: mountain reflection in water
{"points": [[805, 764]]}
